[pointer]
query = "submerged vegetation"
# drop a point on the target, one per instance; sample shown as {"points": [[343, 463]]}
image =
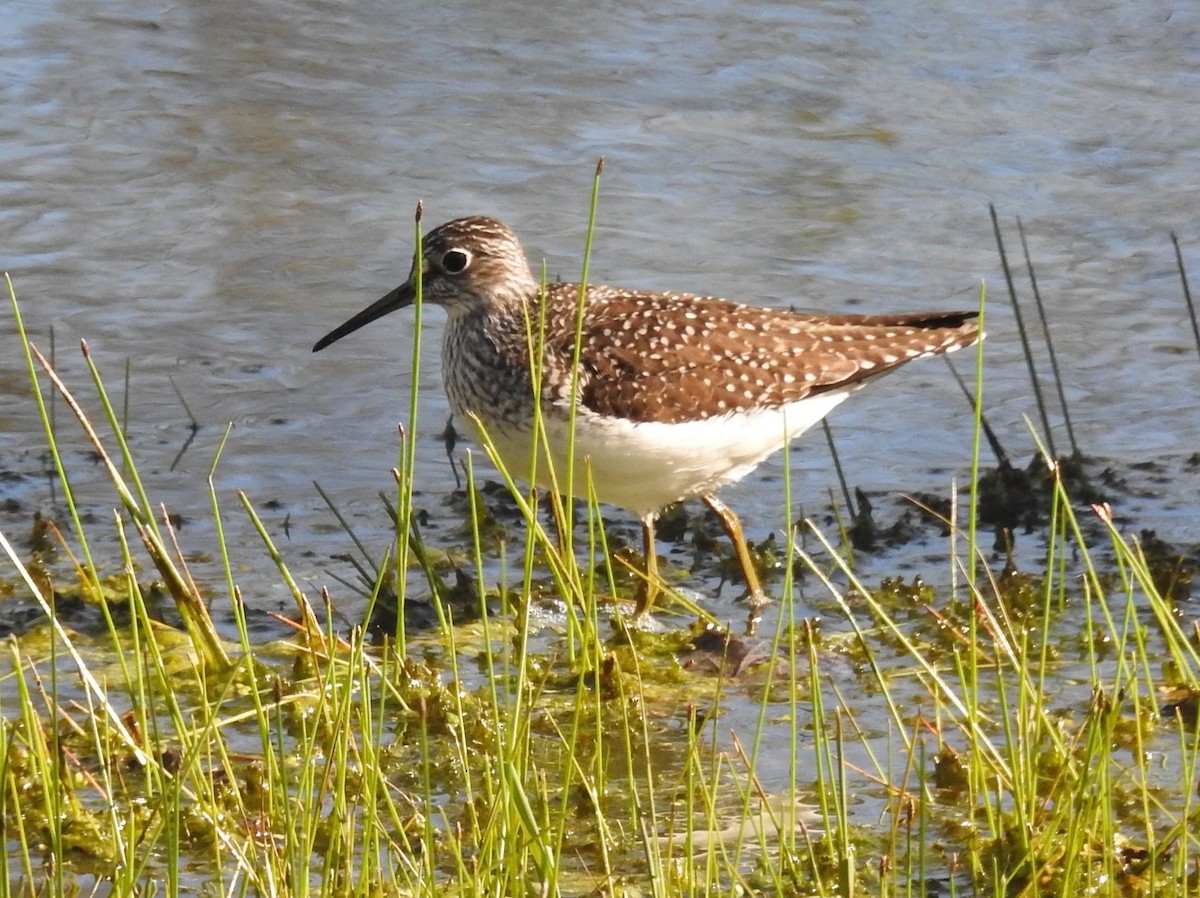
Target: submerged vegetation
{"points": [[1004, 732]]}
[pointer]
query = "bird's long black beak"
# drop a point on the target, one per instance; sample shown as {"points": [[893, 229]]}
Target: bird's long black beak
{"points": [[399, 298]]}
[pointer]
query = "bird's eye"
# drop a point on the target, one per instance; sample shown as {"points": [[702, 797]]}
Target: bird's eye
{"points": [[455, 261]]}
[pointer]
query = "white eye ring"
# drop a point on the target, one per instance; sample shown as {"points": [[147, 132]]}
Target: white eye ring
{"points": [[455, 261]]}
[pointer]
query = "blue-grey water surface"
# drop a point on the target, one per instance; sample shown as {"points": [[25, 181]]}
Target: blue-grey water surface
{"points": [[206, 188]]}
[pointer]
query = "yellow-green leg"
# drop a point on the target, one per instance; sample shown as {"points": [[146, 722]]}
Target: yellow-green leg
{"points": [[649, 586], [733, 529]]}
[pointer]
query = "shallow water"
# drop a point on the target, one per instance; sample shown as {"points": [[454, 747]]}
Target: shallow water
{"points": [[204, 190]]}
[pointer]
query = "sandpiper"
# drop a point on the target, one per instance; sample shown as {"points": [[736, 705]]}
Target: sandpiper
{"points": [[674, 395]]}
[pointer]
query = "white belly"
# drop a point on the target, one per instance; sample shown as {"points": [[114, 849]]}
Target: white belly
{"points": [[645, 467]]}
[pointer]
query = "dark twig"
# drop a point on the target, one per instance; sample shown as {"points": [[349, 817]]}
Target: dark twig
{"points": [[1041, 308], [1187, 291], [837, 464], [1012, 293], [989, 434], [193, 426]]}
